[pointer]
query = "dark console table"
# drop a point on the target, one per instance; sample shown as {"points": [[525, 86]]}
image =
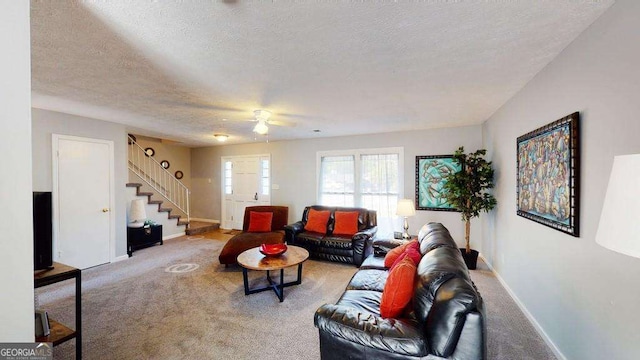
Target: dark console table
{"points": [[58, 332], [138, 238]]}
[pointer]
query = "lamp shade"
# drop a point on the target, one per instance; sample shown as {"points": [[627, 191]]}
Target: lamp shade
{"points": [[138, 212], [619, 228], [405, 208]]}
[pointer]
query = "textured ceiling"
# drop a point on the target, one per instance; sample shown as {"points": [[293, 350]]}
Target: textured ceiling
{"points": [[175, 69]]}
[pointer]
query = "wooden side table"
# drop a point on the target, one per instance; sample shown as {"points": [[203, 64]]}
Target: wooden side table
{"points": [[254, 260], [59, 333]]}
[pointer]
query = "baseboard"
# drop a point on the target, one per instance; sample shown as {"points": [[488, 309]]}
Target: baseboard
{"points": [[169, 237], [205, 220], [526, 312], [120, 258]]}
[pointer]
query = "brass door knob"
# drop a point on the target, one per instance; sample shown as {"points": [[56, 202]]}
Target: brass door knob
{"points": [[105, 210]]}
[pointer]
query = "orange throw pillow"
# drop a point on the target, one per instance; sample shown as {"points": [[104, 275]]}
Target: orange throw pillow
{"points": [[411, 253], [260, 221], [346, 223], [395, 253], [398, 290], [317, 221]]}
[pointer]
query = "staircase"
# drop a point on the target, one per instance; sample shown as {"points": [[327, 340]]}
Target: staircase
{"points": [[153, 175], [174, 194], [159, 203]]}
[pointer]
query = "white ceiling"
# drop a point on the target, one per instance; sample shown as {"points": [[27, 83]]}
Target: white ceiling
{"points": [[175, 69]]}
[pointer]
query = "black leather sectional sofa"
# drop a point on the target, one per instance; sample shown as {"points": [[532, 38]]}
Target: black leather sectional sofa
{"points": [[329, 246], [445, 320]]}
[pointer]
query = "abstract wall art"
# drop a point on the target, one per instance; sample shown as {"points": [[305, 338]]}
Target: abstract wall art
{"points": [[431, 174], [548, 175]]}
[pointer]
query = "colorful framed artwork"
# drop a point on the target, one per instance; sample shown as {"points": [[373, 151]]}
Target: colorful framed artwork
{"points": [[431, 175], [548, 179]]}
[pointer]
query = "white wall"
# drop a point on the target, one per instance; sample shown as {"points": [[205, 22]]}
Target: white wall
{"points": [[47, 122], [294, 170], [16, 241], [584, 296]]}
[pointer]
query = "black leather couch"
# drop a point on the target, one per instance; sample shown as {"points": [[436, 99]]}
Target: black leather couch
{"points": [[339, 248], [445, 320]]}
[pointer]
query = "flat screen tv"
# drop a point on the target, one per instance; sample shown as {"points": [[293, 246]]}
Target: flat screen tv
{"points": [[42, 230]]}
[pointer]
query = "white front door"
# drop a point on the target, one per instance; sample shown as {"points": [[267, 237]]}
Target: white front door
{"points": [[82, 195], [245, 183]]}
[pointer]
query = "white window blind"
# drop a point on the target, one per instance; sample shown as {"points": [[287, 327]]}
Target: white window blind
{"points": [[368, 178], [337, 180]]}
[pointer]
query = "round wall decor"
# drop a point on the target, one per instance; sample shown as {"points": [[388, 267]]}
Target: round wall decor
{"points": [[165, 164], [149, 151], [179, 174]]}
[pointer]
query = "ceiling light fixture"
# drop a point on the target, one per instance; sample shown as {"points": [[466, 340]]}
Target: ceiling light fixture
{"points": [[263, 115], [221, 137], [261, 127]]}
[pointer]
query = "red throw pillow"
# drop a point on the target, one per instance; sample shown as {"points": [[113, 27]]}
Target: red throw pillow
{"points": [[260, 221], [346, 223], [411, 253], [414, 244], [398, 290], [317, 221], [395, 253]]}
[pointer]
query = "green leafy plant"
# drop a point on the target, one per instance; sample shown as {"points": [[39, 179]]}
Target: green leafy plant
{"points": [[467, 189]]}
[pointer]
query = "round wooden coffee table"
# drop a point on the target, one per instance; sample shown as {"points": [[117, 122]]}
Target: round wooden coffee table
{"points": [[253, 259]]}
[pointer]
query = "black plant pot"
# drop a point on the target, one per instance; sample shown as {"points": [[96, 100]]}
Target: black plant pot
{"points": [[471, 259]]}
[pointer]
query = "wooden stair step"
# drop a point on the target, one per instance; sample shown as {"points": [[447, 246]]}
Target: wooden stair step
{"points": [[180, 222], [201, 227], [155, 202], [165, 210], [145, 194], [174, 216], [134, 185]]}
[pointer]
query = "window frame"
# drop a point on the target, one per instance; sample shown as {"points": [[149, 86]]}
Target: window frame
{"points": [[357, 153]]}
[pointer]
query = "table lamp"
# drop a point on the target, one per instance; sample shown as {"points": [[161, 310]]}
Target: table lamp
{"points": [[405, 208], [619, 228], [137, 215]]}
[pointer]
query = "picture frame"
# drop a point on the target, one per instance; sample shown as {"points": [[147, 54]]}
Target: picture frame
{"points": [[431, 174], [548, 175]]}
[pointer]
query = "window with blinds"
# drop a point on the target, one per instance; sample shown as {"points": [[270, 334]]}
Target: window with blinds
{"points": [[368, 178]]}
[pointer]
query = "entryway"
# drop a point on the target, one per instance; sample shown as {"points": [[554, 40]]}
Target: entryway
{"points": [[246, 181], [83, 201]]}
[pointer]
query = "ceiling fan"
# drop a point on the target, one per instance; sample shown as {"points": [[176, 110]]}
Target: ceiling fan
{"points": [[262, 117]]}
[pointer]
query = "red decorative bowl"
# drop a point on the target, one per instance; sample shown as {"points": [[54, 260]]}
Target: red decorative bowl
{"points": [[273, 249]]}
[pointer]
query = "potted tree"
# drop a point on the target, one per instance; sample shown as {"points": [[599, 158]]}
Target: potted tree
{"points": [[466, 190]]}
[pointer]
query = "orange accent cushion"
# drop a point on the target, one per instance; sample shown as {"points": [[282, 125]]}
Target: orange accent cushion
{"points": [[395, 253], [317, 221], [260, 221], [411, 253], [398, 290], [346, 223]]}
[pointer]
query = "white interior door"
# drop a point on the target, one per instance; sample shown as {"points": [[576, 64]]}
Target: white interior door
{"points": [[82, 195], [246, 182]]}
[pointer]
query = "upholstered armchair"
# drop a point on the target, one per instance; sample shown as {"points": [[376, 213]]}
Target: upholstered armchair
{"points": [[257, 228], [347, 238]]}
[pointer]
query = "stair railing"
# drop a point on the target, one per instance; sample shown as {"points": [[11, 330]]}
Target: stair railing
{"points": [[160, 179]]}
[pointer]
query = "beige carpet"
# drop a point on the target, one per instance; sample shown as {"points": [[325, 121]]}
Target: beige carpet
{"points": [[134, 309]]}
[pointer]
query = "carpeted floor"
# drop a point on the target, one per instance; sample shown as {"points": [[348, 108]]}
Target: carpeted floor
{"points": [[134, 309]]}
